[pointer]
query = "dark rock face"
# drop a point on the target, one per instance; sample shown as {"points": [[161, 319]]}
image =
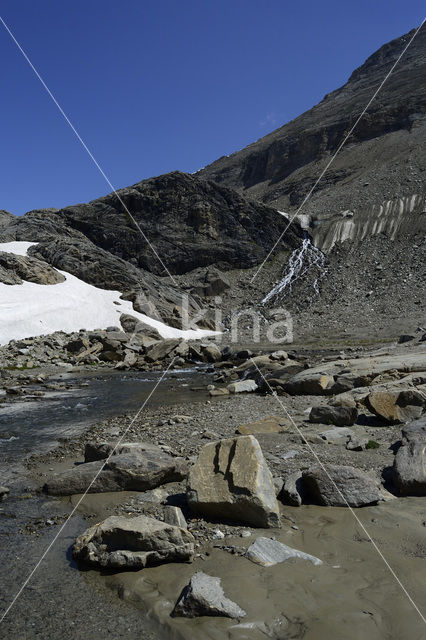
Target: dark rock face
{"points": [[282, 167], [14, 269], [340, 416]]}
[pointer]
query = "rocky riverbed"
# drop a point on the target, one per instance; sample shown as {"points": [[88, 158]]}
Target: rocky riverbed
{"points": [[222, 490]]}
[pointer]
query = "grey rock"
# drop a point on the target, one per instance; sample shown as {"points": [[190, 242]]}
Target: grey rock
{"points": [[340, 416], [267, 552], [133, 543], [415, 431], [102, 450], [231, 481], [14, 269], [161, 350], [4, 492], [293, 490], [123, 472], [174, 516], [337, 435], [309, 383], [132, 325], [242, 386], [409, 469], [356, 443], [340, 486], [204, 596]]}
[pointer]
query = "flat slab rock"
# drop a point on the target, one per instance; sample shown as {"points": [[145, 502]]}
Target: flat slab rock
{"points": [[267, 552], [270, 424], [102, 450], [409, 468], [231, 481], [397, 406], [122, 472], [340, 486], [133, 543], [339, 416], [204, 596]]}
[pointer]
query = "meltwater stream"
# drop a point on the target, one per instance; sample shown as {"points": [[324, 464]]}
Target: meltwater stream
{"points": [[34, 426], [301, 261]]}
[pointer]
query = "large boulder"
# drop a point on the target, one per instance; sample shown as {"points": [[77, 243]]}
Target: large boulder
{"points": [[293, 490], [123, 472], [409, 468], [231, 481], [133, 543], [204, 596], [242, 386], [397, 406], [340, 416], [102, 450], [213, 283], [341, 486], [307, 383], [415, 431]]}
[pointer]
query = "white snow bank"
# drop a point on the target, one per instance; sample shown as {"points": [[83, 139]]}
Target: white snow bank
{"points": [[18, 248], [30, 309]]}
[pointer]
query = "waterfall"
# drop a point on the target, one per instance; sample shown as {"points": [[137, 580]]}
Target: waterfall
{"points": [[302, 260]]}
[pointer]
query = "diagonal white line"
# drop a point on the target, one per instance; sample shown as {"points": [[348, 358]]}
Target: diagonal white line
{"points": [[341, 145], [80, 500], [315, 455], [135, 222]]}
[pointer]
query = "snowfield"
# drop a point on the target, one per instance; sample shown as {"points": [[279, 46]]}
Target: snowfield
{"points": [[30, 309]]}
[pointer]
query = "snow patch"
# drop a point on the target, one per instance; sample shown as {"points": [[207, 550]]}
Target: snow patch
{"points": [[31, 309]]}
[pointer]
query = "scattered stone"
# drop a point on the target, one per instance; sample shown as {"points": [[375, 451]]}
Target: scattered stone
{"points": [[340, 416], [231, 481], [4, 492], [267, 552], [133, 543], [356, 443], [340, 486], [204, 596], [242, 386], [337, 435], [211, 352], [270, 424], [214, 393]]}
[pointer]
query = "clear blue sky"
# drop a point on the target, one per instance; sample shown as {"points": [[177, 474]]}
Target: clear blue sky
{"points": [[154, 86]]}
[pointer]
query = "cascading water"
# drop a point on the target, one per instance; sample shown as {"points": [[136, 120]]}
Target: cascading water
{"points": [[302, 260]]}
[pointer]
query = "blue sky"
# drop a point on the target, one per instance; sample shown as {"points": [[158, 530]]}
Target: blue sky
{"points": [[154, 86]]}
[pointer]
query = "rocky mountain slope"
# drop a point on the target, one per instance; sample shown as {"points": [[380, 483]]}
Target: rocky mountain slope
{"points": [[383, 158]]}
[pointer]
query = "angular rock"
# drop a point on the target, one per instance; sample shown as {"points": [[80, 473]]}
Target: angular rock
{"points": [[293, 490], [101, 450], [211, 352], [213, 284], [340, 486], [397, 406], [131, 325], [270, 424], [123, 472], [242, 386], [4, 492], [340, 416], [161, 350], [267, 552], [204, 596], [231, 481], [409, 469], [218, 392], [133, 543], [174, 516], [309, 384]]}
